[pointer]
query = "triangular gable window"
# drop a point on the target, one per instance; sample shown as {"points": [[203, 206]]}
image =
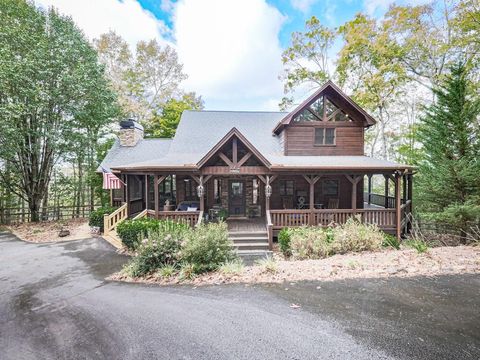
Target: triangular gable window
{"points": [[322, 109]]}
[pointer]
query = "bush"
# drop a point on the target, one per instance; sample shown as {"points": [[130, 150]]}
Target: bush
{"points": [[167, 271], [268, 264], [314, 242], [96, 216], [356, 236], [391, 241], [207, 247], [159, 249], [284, 241], [233, 267], [131, 232], [419, 245]]}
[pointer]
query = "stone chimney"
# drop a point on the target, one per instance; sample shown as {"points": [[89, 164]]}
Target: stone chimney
{"points": [[130, 132]]}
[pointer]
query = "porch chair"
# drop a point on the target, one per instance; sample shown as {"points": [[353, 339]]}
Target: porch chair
{"points": [[332, 203]]}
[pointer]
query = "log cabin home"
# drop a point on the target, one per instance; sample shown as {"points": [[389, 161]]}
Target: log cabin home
{"points": [[262, 170]]}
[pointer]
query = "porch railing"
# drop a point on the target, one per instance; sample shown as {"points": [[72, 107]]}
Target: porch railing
{"points": [[111, 221], [270, 229], [379, 200], [383, 218], [191, 218]]}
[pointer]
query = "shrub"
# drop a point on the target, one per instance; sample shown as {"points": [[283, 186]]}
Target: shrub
{"points": [[310, 243], [268, 264], [391, 241], [284, 241], [232, 267], [419, 245], [159, 249], [167, 271], [187, 272], [96, 216], [131, 232], [356, 236], [207, 247]]}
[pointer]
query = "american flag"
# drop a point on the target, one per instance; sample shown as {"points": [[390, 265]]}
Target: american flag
{"points": [[110, 181]]}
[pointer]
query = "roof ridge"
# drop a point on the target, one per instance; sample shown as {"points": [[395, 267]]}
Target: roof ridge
{"points": [[241, 111]]}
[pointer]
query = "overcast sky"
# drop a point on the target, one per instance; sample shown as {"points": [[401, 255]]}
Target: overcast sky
{"points": [[231, 49]]}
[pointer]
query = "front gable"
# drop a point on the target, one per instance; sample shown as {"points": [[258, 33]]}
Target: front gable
{"points": [[233, 154], [327, 123]]}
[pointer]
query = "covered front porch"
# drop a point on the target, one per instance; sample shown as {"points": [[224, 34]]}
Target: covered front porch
{"points": [[277, 199]]}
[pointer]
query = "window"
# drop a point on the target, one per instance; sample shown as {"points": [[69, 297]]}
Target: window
{"points": [[255, 191], [324, 136], [286, 187], [322, 109], [330, 187], [190, 189], [305, 116], [134, 188]]}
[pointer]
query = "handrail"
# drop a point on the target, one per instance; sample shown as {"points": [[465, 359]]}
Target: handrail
{"points": [[141, 215], [269, 230], [110, 221]]}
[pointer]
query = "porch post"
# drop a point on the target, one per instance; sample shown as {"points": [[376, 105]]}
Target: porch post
{"points": [[398, 207], [354, 180], [386, 191], [369, 188], [111, 197], [156, 197], [146, 192], [409, 197], [127, 196], [404, 185]]}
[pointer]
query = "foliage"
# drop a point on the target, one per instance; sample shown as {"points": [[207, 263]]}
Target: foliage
{"points": [[222, 214], [391, 241], [233, 267], [54, 98], [160, 248], [187, 272], [419, 245], [167, 271], [450, 135], [165, 124], [284, 241], [133, 231], [268, 264], [207, 247], [309, 47], [314, 242], [96, 216]]}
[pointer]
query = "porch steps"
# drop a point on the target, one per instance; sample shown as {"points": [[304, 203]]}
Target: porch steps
{"points": [[250, 245], [113, 239]]}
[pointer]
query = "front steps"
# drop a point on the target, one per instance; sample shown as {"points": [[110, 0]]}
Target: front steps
{"points": [[250, 245]]}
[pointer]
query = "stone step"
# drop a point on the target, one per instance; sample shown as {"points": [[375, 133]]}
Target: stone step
{"points": [[248, 239], [251, 246], [249, 257]]}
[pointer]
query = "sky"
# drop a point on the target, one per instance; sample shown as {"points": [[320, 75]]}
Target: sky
{"points": [[230, 49]]}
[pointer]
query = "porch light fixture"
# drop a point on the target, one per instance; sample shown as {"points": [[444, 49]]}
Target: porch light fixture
{"points": [[200, 191], [268, 191]]}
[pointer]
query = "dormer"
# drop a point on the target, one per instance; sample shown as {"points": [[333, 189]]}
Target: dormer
{"points": [[327, 123]]}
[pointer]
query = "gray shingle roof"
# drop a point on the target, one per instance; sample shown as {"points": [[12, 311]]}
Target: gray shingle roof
{"points": [[146, 149], [199, 131]]}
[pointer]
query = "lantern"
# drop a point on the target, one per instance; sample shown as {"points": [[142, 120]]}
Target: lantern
{"points": [[268, 191], [200, 191]]}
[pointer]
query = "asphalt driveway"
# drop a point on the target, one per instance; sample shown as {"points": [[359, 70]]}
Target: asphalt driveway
{"points": [[55, 304]]}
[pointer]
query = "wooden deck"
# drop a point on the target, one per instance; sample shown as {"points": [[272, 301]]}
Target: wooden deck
{"points": [[246, 225]]}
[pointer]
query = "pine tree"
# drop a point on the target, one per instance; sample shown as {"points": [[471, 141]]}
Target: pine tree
{"points": [[448, 181]]}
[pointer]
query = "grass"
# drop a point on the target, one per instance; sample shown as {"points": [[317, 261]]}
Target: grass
{"points": [[268, 264], [391, 241], [234, 267], [419, 245], [167, 271]]}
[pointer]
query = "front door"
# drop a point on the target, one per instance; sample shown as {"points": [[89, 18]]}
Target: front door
{"points": [[236, 198]]}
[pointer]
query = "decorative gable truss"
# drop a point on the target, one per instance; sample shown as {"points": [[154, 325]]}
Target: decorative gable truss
{"points": [[233, 154], [328, 104]]}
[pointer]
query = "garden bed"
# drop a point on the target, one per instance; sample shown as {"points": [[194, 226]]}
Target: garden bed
{"points": [[47, 231], [371, 264]]}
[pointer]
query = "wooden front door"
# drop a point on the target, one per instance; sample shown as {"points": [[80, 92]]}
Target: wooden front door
{"points": [[236, 198]]}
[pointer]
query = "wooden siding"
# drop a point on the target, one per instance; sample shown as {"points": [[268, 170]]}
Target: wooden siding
{"points": [[300, 140]]}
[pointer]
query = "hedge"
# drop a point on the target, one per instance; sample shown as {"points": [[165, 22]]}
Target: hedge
{"points": [[96, 216]]}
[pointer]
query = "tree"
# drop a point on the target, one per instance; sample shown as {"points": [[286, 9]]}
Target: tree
{"points": [[165, 124], [447, 184], [52, 92], [306, 60], [365, 65]]}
